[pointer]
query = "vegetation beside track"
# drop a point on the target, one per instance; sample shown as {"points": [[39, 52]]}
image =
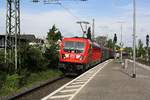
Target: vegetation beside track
{"points": [[11, 82], [35, 64], [143, 61]]}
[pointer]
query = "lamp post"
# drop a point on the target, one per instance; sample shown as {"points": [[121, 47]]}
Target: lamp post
{"points": [[121, 43], [134, 38]]}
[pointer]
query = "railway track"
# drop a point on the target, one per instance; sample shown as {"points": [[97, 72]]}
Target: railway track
{"points": [[69, 90], [37, 92], [41, 90]]}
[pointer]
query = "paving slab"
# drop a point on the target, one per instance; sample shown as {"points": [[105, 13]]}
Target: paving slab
{"points": [[114, 82]]}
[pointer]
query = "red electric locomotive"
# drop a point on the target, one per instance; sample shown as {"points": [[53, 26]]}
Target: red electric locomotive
{"points": [[79, 54]]}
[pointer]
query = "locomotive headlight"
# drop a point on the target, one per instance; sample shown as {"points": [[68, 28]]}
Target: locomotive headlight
{"points": [[78, 56], [81, 57], [63, 56], [67, 55]]}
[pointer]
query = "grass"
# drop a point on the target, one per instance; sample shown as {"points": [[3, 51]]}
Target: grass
{"points": [[44, 75], [11, 83]]}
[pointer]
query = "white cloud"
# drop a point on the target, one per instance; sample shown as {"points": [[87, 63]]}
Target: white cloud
{"points": [[143, 22], [2, 21], [39, 23]]}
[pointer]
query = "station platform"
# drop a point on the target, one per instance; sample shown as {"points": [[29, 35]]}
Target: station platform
{"points": [[115, 83], [107, 81]]}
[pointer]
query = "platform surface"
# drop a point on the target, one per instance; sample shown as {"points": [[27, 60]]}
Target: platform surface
{"points": [[114, 82]]}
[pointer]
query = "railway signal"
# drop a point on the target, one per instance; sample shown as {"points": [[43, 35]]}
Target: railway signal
{"points": [[114, 42], [147, 45], [115, 38], [147, 40]]}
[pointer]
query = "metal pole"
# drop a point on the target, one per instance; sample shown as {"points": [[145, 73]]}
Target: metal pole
{"points": [[93, 29], [6, 35], [134, 38], [121, 43], [115, 50], [16, 34], [147, 58], [17, 30]]}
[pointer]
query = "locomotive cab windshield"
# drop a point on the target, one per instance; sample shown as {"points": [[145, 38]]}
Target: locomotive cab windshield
{"points": [[73, 46]]}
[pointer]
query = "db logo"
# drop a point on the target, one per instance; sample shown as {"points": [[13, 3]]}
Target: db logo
{"points": [[72, 56]]}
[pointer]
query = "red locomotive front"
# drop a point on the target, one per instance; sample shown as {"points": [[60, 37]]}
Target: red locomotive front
{"points": [[74, 50], [74, 53], [79, 54]]}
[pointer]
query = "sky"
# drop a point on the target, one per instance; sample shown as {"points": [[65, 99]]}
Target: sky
{"points": [[38, 18]]}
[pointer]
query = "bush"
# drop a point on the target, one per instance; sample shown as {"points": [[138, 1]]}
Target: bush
{"points": [[8, 67], [3, 69], [52, 55], [32, 60], [2, 78], [10, 85], [1, 56]]}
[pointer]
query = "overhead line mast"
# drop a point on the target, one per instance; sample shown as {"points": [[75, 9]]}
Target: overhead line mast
{"points": [[12, 36], [12, 31], [93, 30]]}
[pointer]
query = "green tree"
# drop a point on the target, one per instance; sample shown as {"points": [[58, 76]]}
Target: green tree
{"points": [[128, 50], [51, 52], [117, 47], [141, 51], [110, 44], [58, 36], [53, 35], [101, 40]]}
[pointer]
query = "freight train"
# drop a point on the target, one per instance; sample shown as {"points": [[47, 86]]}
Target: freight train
{"points": [[78, 54]]}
